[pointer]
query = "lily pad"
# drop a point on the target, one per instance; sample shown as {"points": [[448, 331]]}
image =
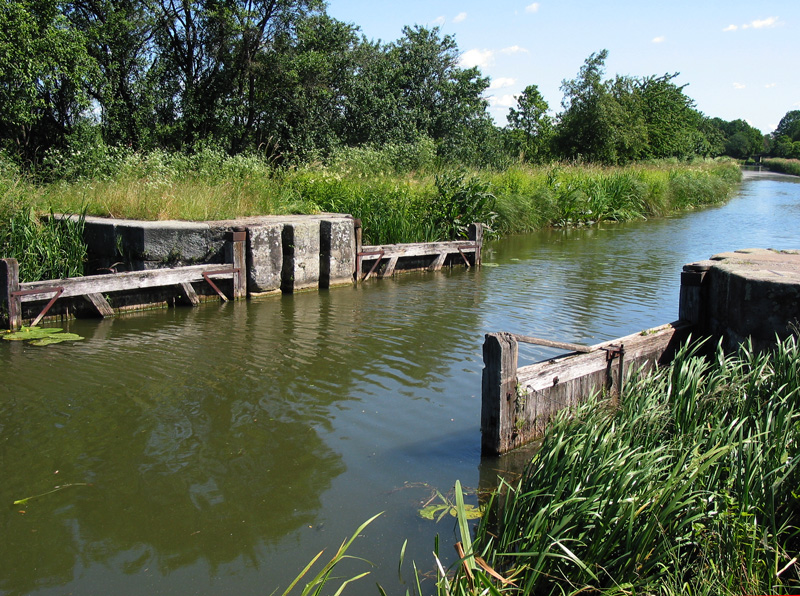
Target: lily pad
{"points": [[31, 333], [56, 338], [490, 265], [440, 510]]}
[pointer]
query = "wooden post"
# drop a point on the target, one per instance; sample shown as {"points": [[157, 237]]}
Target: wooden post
{"points": [[499, 392], [692, 304], [476, 235], [239, 262], [359, 248], [9, 282]]}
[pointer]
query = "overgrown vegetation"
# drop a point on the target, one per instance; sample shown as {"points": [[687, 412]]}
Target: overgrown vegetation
{"points": [[785, 166], [689, 486]]}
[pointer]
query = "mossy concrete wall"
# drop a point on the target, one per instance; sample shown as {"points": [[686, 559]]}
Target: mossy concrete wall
{"points": [[284, 253], [746, 294]]}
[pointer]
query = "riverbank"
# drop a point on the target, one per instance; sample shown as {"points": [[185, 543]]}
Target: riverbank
{"points": [[394, 205]]}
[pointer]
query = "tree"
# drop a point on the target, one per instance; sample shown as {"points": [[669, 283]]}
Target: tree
{"points": [[531, 126], [44, 69], [789, 126], [672, 121]]}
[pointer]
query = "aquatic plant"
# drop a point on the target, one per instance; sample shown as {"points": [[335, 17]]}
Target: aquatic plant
{"points": [[689, 485]]}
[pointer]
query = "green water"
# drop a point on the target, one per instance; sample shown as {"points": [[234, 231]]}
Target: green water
{"points": [[216, 450]]}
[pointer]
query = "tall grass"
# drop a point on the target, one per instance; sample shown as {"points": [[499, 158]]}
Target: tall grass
{"points": [[785, 166], [402, 193], [689, 486]]}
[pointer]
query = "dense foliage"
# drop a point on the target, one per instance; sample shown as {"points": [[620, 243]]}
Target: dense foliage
{"points": [[285, 80], [689, 486]]}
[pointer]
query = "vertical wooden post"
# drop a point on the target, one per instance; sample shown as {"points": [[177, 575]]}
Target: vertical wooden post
{"points": [[499, 391], [692, 306], [239, 262], [9, 282], [476, 235], [359, 248]]}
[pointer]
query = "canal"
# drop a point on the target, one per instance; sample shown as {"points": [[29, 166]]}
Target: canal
{"points": [[216, 450]]}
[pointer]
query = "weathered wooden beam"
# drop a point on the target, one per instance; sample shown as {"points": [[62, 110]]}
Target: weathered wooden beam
{"points": [[9, 283], [189, 294], [553, 344], [475, 235], [390, 266], [437, 264], [117, 282], [101, 304], [239, 260], [421, 249], [499, 390], [518, 403]]}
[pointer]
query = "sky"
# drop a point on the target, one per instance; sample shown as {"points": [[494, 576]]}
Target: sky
{"points": [[738, 59]]}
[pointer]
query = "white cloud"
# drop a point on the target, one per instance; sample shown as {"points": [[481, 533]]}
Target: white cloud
{"points": [[439, 21], [502, 82], [770, 85], [514, 50], [532, 7], [476, 57], [731, 28], [459, 17], [659, 39], [739, 86], [765, 23], [503, 101]]}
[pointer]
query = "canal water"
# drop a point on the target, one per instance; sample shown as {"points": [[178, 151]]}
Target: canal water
{"points": [[216, 450]]}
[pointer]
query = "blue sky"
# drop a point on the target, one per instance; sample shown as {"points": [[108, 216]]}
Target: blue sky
{"points": [[738, 58]]}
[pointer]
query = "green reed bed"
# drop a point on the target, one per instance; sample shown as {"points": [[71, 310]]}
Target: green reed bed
{"points": [[784, 166], [689, 486]]}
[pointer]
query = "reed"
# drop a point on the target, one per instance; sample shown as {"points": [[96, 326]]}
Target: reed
{"points": [[784, 166], [689, 486]]}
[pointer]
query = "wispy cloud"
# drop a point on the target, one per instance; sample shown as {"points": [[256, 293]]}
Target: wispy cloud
{"points": [[459, 17], [439, 21], [476, 57], [532, 7], [502, 83], [659, 39], [514, 50], [503, 101], [771, 85], [765, 23], [731, 28], [739, 86]]}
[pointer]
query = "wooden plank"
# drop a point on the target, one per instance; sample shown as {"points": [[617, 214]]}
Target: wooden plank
{"points": [[390, 266], [553, 344], [117, 282], [9, 282], [189, 294], [437, 264], [638, 346], [419, 249], [101, 304]]}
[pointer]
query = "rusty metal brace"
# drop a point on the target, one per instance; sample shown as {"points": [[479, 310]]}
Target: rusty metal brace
{"points": [[463, 256], [380, 254], [206, 274], [612, 352], [58, 291]]}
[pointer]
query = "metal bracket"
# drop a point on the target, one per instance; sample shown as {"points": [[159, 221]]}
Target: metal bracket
{"points": [[612, 352], [379, 253], [58, 291], [207, 274], [463, 256]]}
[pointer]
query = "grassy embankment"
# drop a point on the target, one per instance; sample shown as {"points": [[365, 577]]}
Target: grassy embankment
{"points": [[784, 166], [400, 193], [690, 486]]}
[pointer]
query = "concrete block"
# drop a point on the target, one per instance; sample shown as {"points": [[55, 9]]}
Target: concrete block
{"points": [[166, 241], [337, 252], [264, 257], [301, 250]]}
